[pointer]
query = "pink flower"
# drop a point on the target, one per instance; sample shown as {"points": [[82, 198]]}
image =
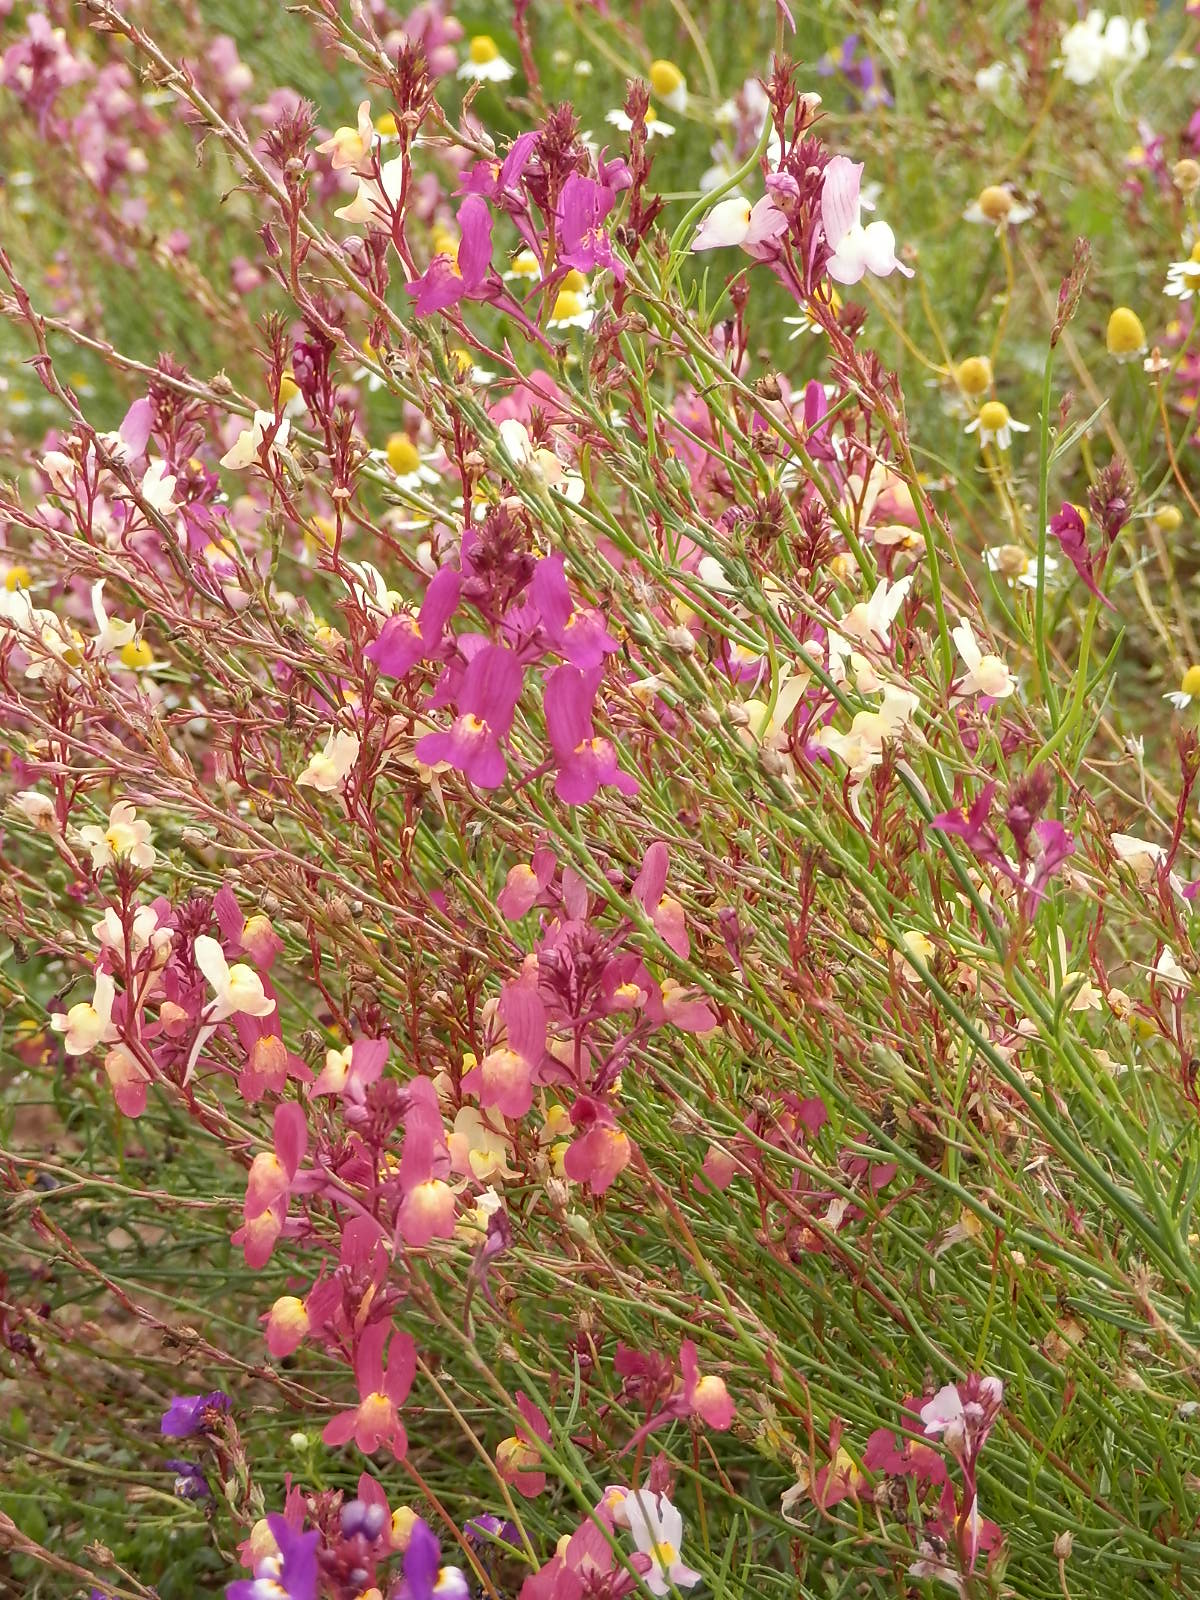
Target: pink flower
{"points": [[578, 634], [518, 1459], [704, 1395], [585, 763], [579, 216], [403, 641], [487, 701], [269, 1185], [375, 1420], [445, 282]]}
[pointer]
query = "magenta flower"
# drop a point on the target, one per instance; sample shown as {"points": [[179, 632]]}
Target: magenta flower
{"points": [[445, 282], [500, 183], [403, 641], [577, 633], [585, 764], [1068, 528], [487, 702], [582, 208]]}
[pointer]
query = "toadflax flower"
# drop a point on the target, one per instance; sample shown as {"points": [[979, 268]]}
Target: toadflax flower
{"points": [[190, 1414], [986, 674], [89, 1022], [329, 770], [856, 249], [425, 1578], [238, 989], [287, 1572], [349, 149], [125, 838], [657, 1529], [265, 433], [736, 222], [375, 1420]]}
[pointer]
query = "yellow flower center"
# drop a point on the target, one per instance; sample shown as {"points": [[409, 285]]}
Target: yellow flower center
{"points": [[975, 375], [995, 203], [385, 125], [136, 654], [575, 281], [665, 78], [288, 388], [524, 264], [1169, 519], [1126, 335], [1011, 561], [16, 578], [483, 49], [568, 304], [993, 415], [1191, 681], [402, 455]]}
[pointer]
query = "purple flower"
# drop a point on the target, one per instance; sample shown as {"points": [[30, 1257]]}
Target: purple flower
{"points": [[585, 763], [403, 641], [190, 1482], [499, 182], [424, 1576], [288, 1574], [445, 282], [487, 701], [188, 1414], [976, 832]]}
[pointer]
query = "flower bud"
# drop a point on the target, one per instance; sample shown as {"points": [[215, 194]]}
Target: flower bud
{"points": [[1186, 175]]}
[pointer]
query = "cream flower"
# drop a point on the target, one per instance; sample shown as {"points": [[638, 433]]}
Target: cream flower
{"points": [[247, 447], [350, 149], [124, 837], [238, 989], [986, 673], [329, 770], [111, 634], [90, 1022], [657, 1529]]}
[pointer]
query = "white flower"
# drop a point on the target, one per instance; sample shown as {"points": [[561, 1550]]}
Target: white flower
{"points": [[856, 249], [484, 62], [158, 488], [944, 1411], [246, 448], [238, 989], [1183, 277], [124, 837], [375, 200], [1094, 47], [36, 808], [350, 148], [657, 1529], [90, 1022], [1143, 858], [329, 770], [871, 620], [986, 674], [861, 747], [143, 930], [655, 127], [995, 421], [1168, 971], [111, 634]]}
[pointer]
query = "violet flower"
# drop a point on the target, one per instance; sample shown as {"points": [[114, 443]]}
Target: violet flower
{"points": [[190, 1414], [288, 1573]]}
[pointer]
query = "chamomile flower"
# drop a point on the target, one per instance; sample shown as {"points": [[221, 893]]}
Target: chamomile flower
{"points": [[1183, 277], [974, 375], [1188, 690], [523, 268], [573, 306], [484, 63], [805, 324], [410, 467], [656, 128], [997, 206], [995, 423], [1017, 565], [669, 84], [1125, 336]]}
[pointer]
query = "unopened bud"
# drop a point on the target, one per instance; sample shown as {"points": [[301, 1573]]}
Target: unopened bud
{"points": [[1185, 175], [1064, 1543]]}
